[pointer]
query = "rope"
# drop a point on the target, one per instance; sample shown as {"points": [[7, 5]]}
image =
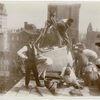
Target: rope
{"points": [[41, 35]]}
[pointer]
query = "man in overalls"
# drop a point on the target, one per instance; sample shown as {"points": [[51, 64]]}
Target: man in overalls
{"points": [[28, 53]]}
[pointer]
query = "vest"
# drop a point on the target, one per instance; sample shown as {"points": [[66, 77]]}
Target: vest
{"points": [[30, 53], [62, 29]]}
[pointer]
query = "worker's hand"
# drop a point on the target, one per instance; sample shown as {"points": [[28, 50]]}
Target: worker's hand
{"points": [[48, 23], [61, 78], [67, 43], [23, 60]]}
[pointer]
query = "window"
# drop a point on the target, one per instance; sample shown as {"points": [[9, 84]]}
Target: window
{"points": [[17, 38], [12, 38], [98, 36], [0, 26]]}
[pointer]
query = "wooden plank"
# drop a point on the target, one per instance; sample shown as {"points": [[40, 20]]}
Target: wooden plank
{"points": [[34, 93], [23, 91], [45, 92], [40, 91], [94, 91], [31, 92], [20, 90], [85, 91], [64, 91], [13, 91]]}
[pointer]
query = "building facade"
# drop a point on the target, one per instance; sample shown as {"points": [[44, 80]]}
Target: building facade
{"points": [[91, 38], [18, 38], [3, 41], [3, 26]]}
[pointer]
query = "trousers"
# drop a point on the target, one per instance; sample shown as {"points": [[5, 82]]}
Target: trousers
{"points": [[28, 68]]}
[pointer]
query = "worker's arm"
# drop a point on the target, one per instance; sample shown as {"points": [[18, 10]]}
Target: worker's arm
{"points": [[22, 51], [37, 49], [63, 72]]}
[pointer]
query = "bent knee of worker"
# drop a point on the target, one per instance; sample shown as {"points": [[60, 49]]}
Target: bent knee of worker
{"points": [[49, 61]]}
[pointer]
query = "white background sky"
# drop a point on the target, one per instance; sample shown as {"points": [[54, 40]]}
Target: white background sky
{"points": [[36, 13]]}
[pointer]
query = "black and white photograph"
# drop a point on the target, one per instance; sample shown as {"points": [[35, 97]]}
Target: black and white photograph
{"points": [[49, 49]]}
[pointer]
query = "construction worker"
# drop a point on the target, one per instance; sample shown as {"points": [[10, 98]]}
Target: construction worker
{"points": [[81, 60], [61, 26], [69, 77], [29, 53], [30, 63]]}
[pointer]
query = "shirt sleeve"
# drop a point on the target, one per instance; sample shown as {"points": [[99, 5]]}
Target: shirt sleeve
{"points": [[35, 50], [63, 72], [22, 51]]}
